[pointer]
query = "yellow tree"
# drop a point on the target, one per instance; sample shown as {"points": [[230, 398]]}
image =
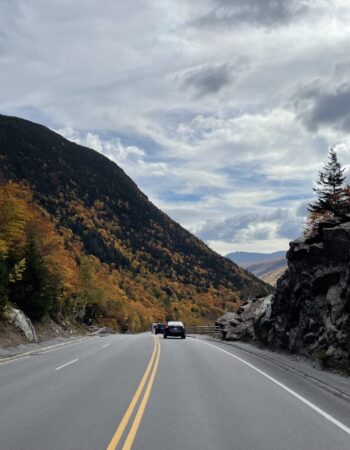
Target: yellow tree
{"points": [[14, 215]]}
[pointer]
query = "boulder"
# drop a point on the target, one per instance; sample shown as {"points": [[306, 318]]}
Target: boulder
{"points": [[20, 320], [250, 320], [224, 320], [262, 320]]}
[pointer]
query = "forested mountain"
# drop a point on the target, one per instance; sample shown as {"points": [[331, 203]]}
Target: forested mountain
{"points": [[152, 267]]}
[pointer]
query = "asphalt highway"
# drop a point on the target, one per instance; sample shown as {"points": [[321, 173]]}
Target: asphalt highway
{"points": [[140, 392]]}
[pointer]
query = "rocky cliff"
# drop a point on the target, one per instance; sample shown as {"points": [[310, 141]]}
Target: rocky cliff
{"points": [[310, 310]]}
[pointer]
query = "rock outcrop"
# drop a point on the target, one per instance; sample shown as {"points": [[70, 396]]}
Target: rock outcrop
{"points": [[311, 307], [22, 322], [310, 310]]}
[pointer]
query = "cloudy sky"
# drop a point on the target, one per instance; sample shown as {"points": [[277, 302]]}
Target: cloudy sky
{"points": [[222, 111]]}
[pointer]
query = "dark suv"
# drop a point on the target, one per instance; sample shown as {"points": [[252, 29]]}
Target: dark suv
{"points": [[174, 329], [159, 328]]}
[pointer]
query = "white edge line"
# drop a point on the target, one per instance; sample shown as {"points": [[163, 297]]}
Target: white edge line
{"points": [[105, 345], [68, 364], [283, 386]]}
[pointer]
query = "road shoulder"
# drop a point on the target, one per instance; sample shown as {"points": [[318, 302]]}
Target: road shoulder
{"points": [[332, 382], [9, 353]]}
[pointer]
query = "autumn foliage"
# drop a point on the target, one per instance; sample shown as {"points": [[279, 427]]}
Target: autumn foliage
{"points": [[38, 274], [44, 271]]}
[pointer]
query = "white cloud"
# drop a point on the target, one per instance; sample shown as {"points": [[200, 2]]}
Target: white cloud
{"points": [[130, 157], [112, 148]]}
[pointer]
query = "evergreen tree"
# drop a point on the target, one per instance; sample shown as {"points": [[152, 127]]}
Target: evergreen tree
{"points": [[37, 292], [330, 190]]}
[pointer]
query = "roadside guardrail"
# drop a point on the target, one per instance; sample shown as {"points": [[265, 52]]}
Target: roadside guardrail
{"points": [[209, 330], [98, 331]]}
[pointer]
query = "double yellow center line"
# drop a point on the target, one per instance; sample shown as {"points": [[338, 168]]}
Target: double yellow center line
{"points": [[147, 380]]}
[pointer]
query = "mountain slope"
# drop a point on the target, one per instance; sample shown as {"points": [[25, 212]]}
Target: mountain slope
{"points": [[245, 259], [269, 271], [272, 276], [102, 212], [266, 266], [263, 268]]}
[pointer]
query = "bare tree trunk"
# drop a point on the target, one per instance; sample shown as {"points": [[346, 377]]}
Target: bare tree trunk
{"points": [[83, 313], [75, 305]]}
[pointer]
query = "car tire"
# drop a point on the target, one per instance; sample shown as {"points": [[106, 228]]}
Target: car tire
{"points": [[183, 337], [165, 336]]}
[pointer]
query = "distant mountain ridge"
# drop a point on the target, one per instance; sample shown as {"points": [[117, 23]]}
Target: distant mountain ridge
{"points": [[92, 200], [266, 266], [245, 259]]}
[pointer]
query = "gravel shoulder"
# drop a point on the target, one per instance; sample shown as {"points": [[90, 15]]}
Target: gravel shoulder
{"points": [[24, 349], [50, 334]]}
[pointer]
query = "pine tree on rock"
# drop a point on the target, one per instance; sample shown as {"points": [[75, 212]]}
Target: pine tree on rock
{"points": [[330, 190]]}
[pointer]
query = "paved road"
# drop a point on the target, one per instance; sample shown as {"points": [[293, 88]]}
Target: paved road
{"points": [[136, 392]]}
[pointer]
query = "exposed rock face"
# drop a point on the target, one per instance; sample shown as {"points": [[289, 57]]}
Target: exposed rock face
{"points": [[311, 307], [23, 323], [310, 310]]}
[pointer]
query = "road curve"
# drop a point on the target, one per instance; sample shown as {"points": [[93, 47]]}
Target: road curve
{"points": [[140, 392]]}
